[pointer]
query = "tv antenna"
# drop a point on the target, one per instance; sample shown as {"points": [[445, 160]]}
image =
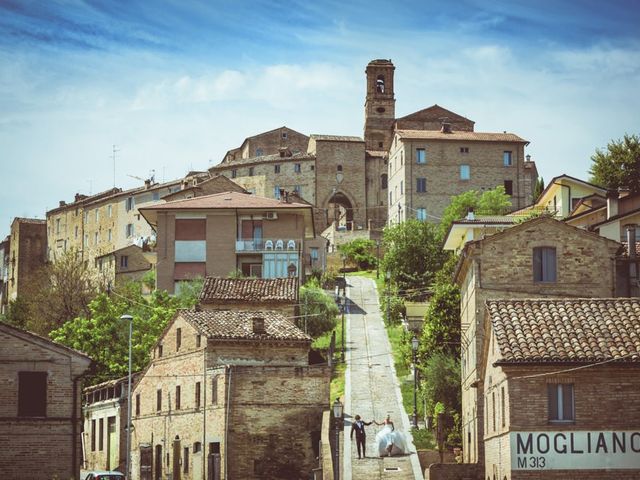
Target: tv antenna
{"points": [[113, 157]]}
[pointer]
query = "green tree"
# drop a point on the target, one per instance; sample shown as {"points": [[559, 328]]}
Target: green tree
{"points": [[18, 313], [619, 165], [538, 188], [318, 310], [105, 338], [441, 382], [441, 327], [489, 202], [360, 252], [412, 256]]}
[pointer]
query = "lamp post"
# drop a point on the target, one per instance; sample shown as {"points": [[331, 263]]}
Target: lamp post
{"points": [[388, 277], [344, 299], [337, 415], [414, 347], [128, 318]]}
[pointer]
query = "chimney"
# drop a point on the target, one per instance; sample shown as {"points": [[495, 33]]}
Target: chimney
{"points": [[62, 203], [147, 184], [631, 240], [528, 157], [470, 214], [258, 326], [612, 203], [446, 127]]}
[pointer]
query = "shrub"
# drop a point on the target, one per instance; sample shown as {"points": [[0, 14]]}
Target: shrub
{"points": [[360, 252]]}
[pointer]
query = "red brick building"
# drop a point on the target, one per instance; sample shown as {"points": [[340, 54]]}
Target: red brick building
{"points": [[561, 389]]}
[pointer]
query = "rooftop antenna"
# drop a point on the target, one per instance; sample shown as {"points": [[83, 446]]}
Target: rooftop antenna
{"points": [[152, 175], [113, 156]]}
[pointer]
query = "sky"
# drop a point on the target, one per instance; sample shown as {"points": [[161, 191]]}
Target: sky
{"points": [[175, 84]]}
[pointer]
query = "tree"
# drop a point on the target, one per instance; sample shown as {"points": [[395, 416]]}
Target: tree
{"points": [[489, 202], [441, 327], [412, 256], [105, 338], [360, 252], [318, 310], [441, 382], [538, 188], [619, 165]]}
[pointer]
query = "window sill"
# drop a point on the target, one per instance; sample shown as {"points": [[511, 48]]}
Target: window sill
{"points": [[561, 422]]}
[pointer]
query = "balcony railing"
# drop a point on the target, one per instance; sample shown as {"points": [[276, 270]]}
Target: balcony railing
{"points": [[268, 245]]}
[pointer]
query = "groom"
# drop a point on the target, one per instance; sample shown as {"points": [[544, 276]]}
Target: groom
{"points": [[361, 436]]}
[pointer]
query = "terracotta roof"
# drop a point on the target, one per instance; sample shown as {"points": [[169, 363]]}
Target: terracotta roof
{"points": [[336, 138], [37, 221], [459, 135], [273, 158], [250, 290], [238, 325], [490, 219], [563, 330], [225, 200]]}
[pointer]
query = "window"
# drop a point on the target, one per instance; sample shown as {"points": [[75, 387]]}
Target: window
{"points": [[57, 225], [185, 460], [155, 196], [251, 171], [276, 192], [298, 190], [276, 168], [95, 238], [109, 235], [421, 214], [85, 216], [384, 181], [508, 187], [464, 149], [493, 410], [297, 168], [390, 197], [234, 173], [101, 434], [93, 435], [421, 155], [284, 135], [129, 230], [313, 253], [401, 187], [198, 340], [401, 157], [158, 400], [421, 184], [75, 233], [137, 404], [130, 203], [380, 84], [506, 158], [86, 240], [339, 168], [214, 390], [561, 402], [177, 397], [97, 215], [197, 447], [159, 350], [259, 153], [32, 394], [465, 172], [124, 261], [197, 394], [178, 338], [544, 264]]}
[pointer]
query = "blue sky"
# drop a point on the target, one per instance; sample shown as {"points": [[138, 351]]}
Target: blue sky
{"points": [[175, 84]]}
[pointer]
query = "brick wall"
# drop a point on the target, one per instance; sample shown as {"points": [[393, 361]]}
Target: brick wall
{"points": [[27, 254]]}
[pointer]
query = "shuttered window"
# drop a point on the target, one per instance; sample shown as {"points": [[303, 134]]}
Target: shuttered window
{"points": [[544, 264]]}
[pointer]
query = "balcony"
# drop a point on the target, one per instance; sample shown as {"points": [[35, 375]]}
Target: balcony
{"points": [[261, 245]]}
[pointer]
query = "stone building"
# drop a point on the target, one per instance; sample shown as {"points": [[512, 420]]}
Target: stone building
{"points": [[219, 234], [274, 294], [215, 184], [125, 264], [27, 255], [40, 417], [219, 397], [547, 258], [561, 382], [5, 266], [349, 177], [104, 409]]}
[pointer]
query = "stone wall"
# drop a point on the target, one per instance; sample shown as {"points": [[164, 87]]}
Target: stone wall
{"points": [[27, 255], [454, 471]]}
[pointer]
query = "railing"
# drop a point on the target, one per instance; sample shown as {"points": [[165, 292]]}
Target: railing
{"points": [[268, 245]]}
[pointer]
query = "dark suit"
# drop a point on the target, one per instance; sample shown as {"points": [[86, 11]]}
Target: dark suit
{"points": [[361, 436]]}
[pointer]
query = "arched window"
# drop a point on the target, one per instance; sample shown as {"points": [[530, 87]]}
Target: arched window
{"points": [[380, 84], [339, 168], [384, 180]]}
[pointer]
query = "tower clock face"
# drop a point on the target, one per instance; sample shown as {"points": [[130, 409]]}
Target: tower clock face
{"points": [[380, 110]]}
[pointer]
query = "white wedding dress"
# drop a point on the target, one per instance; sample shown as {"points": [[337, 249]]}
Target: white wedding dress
{"points": [[386, 437]]}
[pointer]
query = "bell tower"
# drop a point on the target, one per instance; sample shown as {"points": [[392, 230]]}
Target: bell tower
{"points": [[380, 105]]}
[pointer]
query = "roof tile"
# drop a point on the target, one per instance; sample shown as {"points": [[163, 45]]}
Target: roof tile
{"points": [[251, 290], [460, 135]]}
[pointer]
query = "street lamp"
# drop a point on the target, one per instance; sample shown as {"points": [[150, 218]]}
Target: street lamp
{"points": [[337, 415], [128, 318], [344, 298], [414, 347]]}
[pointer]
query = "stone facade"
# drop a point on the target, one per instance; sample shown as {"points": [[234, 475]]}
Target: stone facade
{"points": [[585, 267], [40, 417], [205, 400], [269, 143], [27, 255], [5, 265], [516, 399]]}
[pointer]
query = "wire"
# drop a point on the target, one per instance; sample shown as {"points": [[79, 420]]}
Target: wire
{"points": [[581, 367]]}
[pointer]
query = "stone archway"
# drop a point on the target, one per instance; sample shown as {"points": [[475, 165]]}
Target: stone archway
{"points": [[340, 209]]}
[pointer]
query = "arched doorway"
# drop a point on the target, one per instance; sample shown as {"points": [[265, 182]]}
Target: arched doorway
{"points": [[340, 211]]}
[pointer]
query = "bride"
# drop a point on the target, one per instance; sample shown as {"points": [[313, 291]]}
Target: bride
{"points": [[390, 442]]}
